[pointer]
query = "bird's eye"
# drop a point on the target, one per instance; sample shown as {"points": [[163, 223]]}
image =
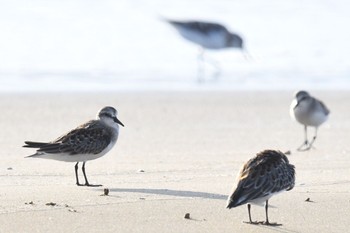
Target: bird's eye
{"points": [[105, 114]]}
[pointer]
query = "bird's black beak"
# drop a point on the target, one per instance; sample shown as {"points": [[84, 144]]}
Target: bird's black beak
{"points": [[118, 121]]}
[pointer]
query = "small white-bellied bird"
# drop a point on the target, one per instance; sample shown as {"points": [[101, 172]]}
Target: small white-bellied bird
{"points": [[208, 35], [87, 142], [308, 111], [263, 176]]}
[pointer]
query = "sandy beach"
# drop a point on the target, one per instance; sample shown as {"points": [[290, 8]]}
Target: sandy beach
{"points": [[178, 153]]}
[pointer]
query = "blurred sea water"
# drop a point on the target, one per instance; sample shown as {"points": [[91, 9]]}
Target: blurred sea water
{"points": [[89, 45]]}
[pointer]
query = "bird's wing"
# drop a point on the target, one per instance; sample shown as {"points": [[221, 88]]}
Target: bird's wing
{"points": [[325, 109], [254, 183], [207, 27], [86, 139], [200, 27]]}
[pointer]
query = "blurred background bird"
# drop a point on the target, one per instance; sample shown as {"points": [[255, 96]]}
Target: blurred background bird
{"points": [[208, 35]]}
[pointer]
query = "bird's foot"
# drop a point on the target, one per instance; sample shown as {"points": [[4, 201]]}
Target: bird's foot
{"points": [[273, 224], [264, 223], [93, 185], [304, 147], [90, 185], [253, 223]]}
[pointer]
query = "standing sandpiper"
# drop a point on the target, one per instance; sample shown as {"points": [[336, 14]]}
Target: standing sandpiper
{"points": [[308, 111], [89, 141], [263, 176]]}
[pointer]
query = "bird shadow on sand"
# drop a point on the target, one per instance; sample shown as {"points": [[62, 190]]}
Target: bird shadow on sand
{"points": [[170, 192], [279, 228]]}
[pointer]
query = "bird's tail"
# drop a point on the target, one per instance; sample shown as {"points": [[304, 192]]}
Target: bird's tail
{"points": [[34, 144], [29, 144]]}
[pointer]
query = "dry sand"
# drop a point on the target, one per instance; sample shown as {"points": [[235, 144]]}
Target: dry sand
{"points": [[190, 146]]}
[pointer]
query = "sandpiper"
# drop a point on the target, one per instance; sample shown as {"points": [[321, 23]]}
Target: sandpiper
{"points": [[208, 35], [308, 111], [87, 142], [263, 176]]}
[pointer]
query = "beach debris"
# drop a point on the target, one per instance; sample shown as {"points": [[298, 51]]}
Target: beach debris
{"points": [[51, 204], [140, 170], [308, 199], [105, 192], [72, 210], [9, 168], [187, 216], [29, 203], [288, 152], [142, 198]]}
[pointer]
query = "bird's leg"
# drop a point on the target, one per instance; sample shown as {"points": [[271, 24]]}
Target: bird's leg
{"points": [[216, 65], [267, 217], [86, 181], [250, 217], [313, 139], [76, 174], [266, 212], [200, 68], [247, 56], [305, 143]]}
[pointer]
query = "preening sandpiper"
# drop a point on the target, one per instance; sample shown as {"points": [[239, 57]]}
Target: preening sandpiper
{"points": [[208, 35], [87, 142], [263, 176], [308, 111]]}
